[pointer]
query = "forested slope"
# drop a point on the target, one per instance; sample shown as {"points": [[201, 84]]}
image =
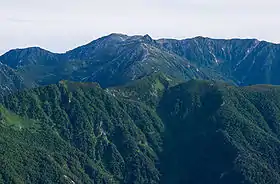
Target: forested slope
{"points": [[194, 132]]}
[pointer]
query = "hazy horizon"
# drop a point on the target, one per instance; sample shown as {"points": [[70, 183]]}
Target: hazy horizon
{"points": [[62, 25]]}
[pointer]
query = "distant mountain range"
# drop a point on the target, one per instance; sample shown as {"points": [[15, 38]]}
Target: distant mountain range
{"points": [[117, 59]]}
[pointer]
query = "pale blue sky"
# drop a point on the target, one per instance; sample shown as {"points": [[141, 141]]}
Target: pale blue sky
{"points": [[59, 25]]}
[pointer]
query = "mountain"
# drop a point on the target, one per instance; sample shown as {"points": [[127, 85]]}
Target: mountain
{"points": [[114, 140], [35, 64], [20, 58], [10, 80], [117, 59], [154, 130], [111, 60], [216, 133], [247, 61], [31, 152], [129, 116]]}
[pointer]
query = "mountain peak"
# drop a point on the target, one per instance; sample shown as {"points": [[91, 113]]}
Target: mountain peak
{"points": [[148, 37], [116, 36], [32, 49], [26, 51], [24, 56]]}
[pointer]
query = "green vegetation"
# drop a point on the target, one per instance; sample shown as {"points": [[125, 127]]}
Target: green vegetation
{"points": [[147, 125], [148, 89], [13, 120], [121, 138], [153, 130], [33, 154], [216, 133]]}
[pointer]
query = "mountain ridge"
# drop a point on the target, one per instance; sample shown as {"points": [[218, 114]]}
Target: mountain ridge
{"points": [[157, 39], [193, 132], [110, 60], [116, 59]]}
